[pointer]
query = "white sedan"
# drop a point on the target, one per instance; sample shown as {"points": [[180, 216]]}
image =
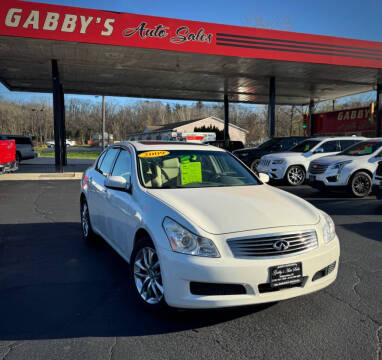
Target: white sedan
{"points": [[200, 230]]}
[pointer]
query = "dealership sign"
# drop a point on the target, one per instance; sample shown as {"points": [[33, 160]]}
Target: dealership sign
{"points": [[344, 121], [65, 23]]}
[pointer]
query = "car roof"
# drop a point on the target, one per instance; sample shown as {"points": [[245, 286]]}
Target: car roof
{"points": [[168, 145], [321, 138]]}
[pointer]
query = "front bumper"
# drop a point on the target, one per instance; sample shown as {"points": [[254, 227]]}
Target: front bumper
{"points": [[275, 171], [179, 270], [330, 177]]}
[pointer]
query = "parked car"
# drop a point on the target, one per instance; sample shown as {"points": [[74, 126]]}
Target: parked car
{"points": [[251, 156], [293, 165], [69, 143], [232, 145], [351, 169], [24, 147], [377, 181], [8, 156], [200, 230]]}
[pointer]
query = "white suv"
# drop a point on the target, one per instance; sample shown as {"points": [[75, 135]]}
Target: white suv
{"points": [[293, 164], [352, 168], [201, 230]]}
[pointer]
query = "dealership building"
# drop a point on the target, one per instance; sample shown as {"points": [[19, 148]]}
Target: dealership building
{"points": [[174, 130]]}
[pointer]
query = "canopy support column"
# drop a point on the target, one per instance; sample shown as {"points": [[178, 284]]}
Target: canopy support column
{"points": [[379, 110], [272, 107], [311, 120], [226, 120], [59, 119]]}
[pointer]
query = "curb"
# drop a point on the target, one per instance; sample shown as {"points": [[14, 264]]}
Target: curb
{"points": [[42, 176]]}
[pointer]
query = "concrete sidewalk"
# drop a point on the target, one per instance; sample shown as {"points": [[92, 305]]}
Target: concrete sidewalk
{"points": [[44, 169]]}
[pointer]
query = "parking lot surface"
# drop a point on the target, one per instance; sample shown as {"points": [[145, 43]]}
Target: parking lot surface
{"points": [[61, 298]]}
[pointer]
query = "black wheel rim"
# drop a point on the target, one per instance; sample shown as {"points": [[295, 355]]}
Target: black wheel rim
{"points": [[361, 185]]}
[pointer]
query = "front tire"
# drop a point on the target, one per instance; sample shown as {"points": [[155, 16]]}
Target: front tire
{"points": [[87, 230], [254, 165], [295, 175], [360, 184], [146, 275]]}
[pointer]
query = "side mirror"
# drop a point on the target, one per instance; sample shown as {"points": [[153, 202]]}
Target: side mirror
{"points": [[118, 183], [319, 150], [264, 177]]}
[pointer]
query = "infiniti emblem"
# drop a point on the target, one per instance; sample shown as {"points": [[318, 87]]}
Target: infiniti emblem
{"points": [[281, 245]]}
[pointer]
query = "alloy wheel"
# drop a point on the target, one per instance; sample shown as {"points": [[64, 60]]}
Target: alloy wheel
{"points": [[254, 165], [147, 276], [361, 185], [85, 219], [296, 175]]}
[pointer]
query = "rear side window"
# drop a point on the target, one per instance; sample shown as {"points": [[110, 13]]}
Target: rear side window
{"points": [[330, 146], [108, 161], [346, 143], [23, 141], [100, 159]]}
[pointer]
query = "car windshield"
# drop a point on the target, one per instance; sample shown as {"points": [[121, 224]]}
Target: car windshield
{"points": [[305, 146], [362, 148], [192, 169]]}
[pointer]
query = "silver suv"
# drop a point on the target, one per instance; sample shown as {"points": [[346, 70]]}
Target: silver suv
{"points": [[24, 146]]}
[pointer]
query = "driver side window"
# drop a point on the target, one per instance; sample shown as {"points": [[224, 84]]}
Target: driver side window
{"points": [[330, 146], [122, 166]]}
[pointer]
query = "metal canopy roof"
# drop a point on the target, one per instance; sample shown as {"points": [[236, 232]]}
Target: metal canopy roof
{"points": [[128, 63]]}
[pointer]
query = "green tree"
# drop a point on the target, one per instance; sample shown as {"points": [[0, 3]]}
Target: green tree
{"points": [[219, 133]]}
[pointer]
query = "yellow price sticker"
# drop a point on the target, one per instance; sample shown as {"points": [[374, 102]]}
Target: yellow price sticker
{"points": [[151, 154]]}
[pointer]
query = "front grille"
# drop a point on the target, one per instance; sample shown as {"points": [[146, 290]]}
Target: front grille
{"points": [[274, 245], [265, 162], [379, 169], [317, 168], [199, 288]]}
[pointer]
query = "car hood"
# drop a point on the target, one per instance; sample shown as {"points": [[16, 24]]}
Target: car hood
{"points": [[221, 210], [328, 160], [284, 155]]}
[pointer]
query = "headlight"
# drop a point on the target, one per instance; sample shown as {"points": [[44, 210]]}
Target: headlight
{"points": [[339, 166], [277, 161], [329, 230], [185, 242]]}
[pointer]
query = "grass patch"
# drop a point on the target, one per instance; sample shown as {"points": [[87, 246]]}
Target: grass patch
{"points": [[74, 155]]}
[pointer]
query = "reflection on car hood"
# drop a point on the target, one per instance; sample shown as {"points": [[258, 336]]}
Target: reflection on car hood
{"points": [[221, 210], [327, 160]]}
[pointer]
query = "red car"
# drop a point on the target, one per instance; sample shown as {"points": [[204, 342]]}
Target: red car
{"points": [[7, 156]]}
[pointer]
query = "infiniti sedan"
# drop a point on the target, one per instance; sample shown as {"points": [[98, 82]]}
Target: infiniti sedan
{"points": [[201, 230]]}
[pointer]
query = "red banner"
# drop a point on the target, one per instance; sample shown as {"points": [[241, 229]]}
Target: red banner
{"points": [[344, 121], [45, 21]]}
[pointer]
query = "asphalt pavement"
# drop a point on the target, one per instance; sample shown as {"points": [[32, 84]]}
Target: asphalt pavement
{"points": [[62, 298]]}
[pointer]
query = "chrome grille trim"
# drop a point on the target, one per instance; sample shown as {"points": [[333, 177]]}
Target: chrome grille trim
{"points": [[265, 162], [262, 245], [317, 168]]}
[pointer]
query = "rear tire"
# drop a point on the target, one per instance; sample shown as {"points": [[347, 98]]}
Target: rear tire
{"points": [[146, 275], [360, 184], [87, 230], [295, 175]]}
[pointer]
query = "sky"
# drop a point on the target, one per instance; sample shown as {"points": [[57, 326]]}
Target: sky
{"points": [[343, 18]]}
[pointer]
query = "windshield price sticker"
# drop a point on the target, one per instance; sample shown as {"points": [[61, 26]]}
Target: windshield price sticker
{"points": [[191, 172], [151, 154]]}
